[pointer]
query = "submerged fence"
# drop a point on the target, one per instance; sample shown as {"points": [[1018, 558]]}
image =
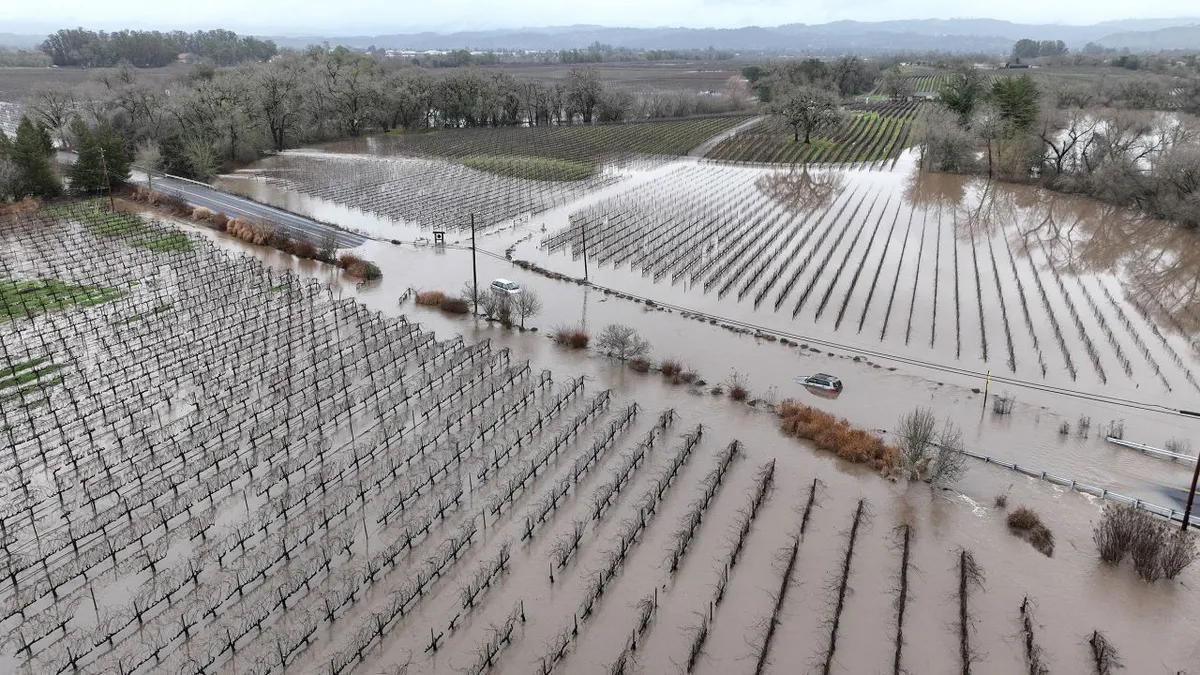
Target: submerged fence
{"points": [[1103, 493]]}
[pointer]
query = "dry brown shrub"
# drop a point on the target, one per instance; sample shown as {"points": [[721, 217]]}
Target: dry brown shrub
{"points": [[26, 205], [671, 367], [426, 298], [571, 336], [349, 259], [304, 249], [1042, 539], [1025, 522], [175, 205], [689, 376], [836, 435], [201, 213], [455, 305], [220, 221], [1023, 519], [247, 230], [640, 364]]}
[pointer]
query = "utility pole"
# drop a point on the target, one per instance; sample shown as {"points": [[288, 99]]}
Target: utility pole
{"points": [[583, 232], [1187, 512], [474, 269], [107, 185]]}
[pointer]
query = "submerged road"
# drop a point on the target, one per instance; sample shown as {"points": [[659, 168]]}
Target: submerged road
{"points": [[290, 225]]}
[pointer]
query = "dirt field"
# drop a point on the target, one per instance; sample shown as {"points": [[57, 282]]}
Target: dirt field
{"points": [[18, 83], [691, 76]]}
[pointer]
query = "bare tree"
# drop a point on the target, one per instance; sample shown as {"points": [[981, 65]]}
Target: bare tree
{"points": [[527, 305], [148, 158], [807, 110], [896, 85], [949, 462], [54, 106], [622, 342], [916, 432]]}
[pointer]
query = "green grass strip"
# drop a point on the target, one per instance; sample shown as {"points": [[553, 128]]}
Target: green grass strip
{"points": [[531, 168], [137, 231], [28, 376], [21, 299], [23, 365]]}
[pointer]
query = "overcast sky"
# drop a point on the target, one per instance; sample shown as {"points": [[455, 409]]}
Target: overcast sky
{"points": [[377, 17]]}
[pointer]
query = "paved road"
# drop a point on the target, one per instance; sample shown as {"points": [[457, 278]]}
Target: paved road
{"points": [[707, 146], [290, 224]]}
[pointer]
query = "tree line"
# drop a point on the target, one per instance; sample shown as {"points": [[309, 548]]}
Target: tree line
{"points": [[1068, 141], [151, 48], [1032, 49], [214, 118]]}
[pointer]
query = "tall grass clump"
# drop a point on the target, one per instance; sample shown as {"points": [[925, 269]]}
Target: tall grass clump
{"points": [[430, 298], [574, 337], [739, 389], [670, 367], [837, 435], [1026, 523]]}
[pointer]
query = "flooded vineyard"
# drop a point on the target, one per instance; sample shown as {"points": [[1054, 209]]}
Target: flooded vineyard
{"points": [[414, 195], [935, 267], [216, 467]]}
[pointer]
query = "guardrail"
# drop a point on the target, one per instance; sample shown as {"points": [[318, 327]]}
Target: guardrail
{"points": [[1150, 450], [1103, 493]]}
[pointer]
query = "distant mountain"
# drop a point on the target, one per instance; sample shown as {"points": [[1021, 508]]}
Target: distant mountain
{"points": [[947, 35], [15, 41], [1175, 37]]}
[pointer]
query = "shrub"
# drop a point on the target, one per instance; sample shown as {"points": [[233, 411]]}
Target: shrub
{"points": [[1001, 501], [430, 298], [640, 364], [670, 367], [1145, 550], [1023, 519], [304, 249], [689, 376], [220, 221], [836, 435], [365, 270], [1179, 446], [348, 259], [738, 390], [175, 205], [201, 213], [455, 305], [1179, 552], [1026, 523], [571, 336], [1156, 551], [1042, 539], [622, 342], [1118, 528]]}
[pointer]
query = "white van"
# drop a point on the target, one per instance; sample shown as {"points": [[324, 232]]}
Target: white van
{"points": [[506, 287]]}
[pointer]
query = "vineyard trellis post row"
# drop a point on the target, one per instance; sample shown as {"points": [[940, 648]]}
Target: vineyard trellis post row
{"points": [[474, 269]]}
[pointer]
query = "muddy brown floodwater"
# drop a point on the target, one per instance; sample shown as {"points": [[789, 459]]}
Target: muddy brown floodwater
{"points": [[1073, 594], [908, 271]]}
